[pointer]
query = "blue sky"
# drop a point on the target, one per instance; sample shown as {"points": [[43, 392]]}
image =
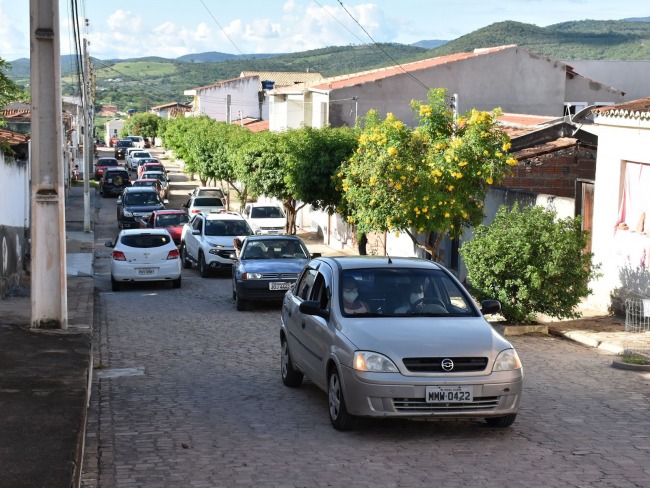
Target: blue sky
{"points": [[171, 28]]}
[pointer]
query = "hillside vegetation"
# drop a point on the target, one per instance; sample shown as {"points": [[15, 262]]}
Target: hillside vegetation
{"points": [[146, 82]]}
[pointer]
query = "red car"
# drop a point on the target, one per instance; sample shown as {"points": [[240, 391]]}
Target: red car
{"points": [[102, 163], [172, 220], [150, 166]]}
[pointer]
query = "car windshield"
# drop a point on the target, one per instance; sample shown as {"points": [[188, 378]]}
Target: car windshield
{"points": [[227, 228], [172, 220], [266, 213], [145, 240], [275, 249], [208, 202], [398, 292], [142, 199]]}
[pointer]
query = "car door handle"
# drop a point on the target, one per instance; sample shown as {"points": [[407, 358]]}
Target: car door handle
{"points": [[303, 324]]}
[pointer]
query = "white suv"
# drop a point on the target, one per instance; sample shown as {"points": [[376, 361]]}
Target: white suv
{"points": [[265, 218], [208, 240], [138, 141]]}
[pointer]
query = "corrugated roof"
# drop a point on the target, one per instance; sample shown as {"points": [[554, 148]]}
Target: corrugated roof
{"points": [[352, 79], [284, 78], [517, 125], [635, 109], [256, 125]]}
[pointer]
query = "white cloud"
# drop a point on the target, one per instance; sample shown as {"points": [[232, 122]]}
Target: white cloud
{"points": [[14, 37]]}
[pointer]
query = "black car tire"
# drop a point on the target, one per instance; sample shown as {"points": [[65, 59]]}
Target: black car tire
{"points": [[115, 285], [290, 377], [501, 422], [241, 304], [176, 283], [187, 264], [339, 416], [203, 267]]}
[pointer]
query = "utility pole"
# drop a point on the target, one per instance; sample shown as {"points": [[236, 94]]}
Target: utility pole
{"points": [[88, 137], [49, 281]]}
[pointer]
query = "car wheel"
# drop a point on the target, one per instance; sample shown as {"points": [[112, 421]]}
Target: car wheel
{"points": [[290, 377], [339, 416], [176, 283], [501, 422], [203, 267], [115, 286], [241, 304], [187, 264]]}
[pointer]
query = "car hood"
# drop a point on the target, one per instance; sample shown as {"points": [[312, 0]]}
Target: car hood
{"points": [[274, 265], [225, 241], [424, 336]]}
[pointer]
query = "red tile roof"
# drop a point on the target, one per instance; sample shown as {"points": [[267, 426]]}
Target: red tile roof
{"points": [[12, 138], [336, 82], [634, 109]]}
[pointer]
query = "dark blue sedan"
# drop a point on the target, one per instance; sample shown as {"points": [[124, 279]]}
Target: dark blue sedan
{"points": [[266, 267]]}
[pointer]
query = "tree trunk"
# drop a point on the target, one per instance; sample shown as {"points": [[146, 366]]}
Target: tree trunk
{"points": [[362, 245]]}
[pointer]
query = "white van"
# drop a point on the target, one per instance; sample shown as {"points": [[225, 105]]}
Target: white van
{"points": [[138, 141]]}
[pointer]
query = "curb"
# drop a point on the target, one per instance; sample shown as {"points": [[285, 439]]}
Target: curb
{"points": [[631, 367]]}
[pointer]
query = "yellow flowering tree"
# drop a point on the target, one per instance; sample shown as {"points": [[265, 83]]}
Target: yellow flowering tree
{"points": [[429, 181]]}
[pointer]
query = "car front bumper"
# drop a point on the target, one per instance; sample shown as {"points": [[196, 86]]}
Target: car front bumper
{"points": [[260, 290], [396, 395]]}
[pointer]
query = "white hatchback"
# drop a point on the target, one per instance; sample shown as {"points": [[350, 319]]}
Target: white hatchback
{"points": [[144, 255], [265, 218]]}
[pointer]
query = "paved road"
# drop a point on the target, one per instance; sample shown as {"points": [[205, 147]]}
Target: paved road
{"points": [[198, 402]]}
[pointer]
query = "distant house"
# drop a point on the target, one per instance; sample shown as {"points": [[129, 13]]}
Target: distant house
{"points": [[243, 97], [108, 111], [621, 228], [510, 77], [169, 110]]}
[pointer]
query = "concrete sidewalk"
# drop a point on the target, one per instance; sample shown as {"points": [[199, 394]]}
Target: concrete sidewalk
{"points": [[44, 374]]}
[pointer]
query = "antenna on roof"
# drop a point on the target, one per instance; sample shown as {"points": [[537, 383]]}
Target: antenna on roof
{"points": [[389, 260]]}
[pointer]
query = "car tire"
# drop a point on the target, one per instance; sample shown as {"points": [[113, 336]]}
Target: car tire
{"points": [[339, 416], [203, 267], [290, 377], [176, 283], [501, 422], [187, 264], [115, 285], [241, 304]]}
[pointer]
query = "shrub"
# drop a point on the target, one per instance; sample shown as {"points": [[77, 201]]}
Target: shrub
{"points": [[531, 262]]}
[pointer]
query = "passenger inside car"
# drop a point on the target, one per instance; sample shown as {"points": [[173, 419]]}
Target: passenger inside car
{"points": [[351, 302]]}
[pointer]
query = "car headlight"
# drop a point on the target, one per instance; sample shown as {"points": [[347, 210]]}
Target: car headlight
{"points": [[128, 214], [507, 361], [373, 362], [251, 276]]}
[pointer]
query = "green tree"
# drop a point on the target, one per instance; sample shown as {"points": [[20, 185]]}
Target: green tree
{"points": [[143, 124], [428, 182], [531, 262], [9, 91], [179, 136]]}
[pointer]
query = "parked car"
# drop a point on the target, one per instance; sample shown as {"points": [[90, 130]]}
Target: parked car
{"points": [[135, 156], [102, 163], [267, 266], [135, 203], [153, 183], [209, 191], [144, 255], [121, 147], [206, 204], [171, 219], [127, 156], [160, 176], [150, 166], [265, 218], [208, 240], [138, 141], [397, 337], [114, 181], [142, 161]]}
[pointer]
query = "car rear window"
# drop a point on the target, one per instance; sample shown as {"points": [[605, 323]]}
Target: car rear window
{"points": [[208, 202], [145, 240], [212, 193], [108, 162]]}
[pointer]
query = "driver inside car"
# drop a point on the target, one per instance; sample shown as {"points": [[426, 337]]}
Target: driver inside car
{"points": [[417, 303]]}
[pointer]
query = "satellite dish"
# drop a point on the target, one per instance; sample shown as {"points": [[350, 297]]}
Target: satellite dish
{"points": [[582, 113]]}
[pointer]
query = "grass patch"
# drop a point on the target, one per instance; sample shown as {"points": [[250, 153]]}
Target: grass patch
{"points": [[634, 358]]}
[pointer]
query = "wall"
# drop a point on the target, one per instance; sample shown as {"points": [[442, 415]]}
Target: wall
{"points": [[243, 98], [623, 276], [14, 224], [628, 76], [554, 173], [580, 89], [111, 126]]}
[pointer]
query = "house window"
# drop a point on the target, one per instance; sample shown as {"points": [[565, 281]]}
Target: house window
{"points": [[635, 198]]}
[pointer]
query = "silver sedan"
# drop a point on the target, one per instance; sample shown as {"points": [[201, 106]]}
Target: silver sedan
{"points": [[397, 337]]}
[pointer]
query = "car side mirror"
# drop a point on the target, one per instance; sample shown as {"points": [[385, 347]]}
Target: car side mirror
{"points": [[119, 201], [165, 201], [196, 232], [312, 307], [489, 307], [184, 205], [109, 244]]}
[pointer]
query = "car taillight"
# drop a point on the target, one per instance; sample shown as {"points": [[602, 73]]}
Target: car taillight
{"points": [[119, 256], [195, 210], [173, 254]]}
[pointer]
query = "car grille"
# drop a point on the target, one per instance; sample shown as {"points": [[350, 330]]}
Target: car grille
{"points": [[419, 405], [225, 253], [280, 276], [433, 365]]}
